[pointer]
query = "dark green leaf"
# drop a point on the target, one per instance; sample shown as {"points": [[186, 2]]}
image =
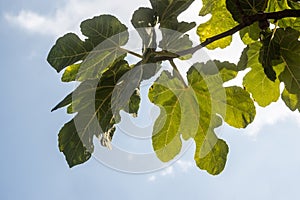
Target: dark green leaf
{"points": [[279, 5], [294, 4], [102, 27], [243, 62], [72, 146], [173, 42], [173, 38], [67, 50], [96, 58], [166, 9], [241, 8], [181, 27], [144, 20], [143, 17], [92, 101], [66, 101], [290, 55], [100, 59], [270, 56]]}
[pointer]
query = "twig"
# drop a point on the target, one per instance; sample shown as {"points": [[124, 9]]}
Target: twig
{"points": [[131, 52], [247, 21]]}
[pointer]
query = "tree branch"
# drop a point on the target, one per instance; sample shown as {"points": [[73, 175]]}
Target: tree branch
{"points": [[247, 21]]}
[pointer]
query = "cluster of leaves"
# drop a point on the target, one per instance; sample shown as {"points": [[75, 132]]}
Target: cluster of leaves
{"points": [[189, 110]]}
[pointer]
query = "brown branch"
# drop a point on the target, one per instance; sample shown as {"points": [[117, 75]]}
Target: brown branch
{"points": [[247, 21]]}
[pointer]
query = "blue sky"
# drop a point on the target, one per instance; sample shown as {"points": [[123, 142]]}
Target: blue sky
{"points": [[263, 162]]}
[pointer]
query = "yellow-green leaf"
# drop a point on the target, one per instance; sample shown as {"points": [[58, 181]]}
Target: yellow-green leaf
{"points": [[179, 115], [70, 73], [291, 100], [263, 90], [220, 21]]}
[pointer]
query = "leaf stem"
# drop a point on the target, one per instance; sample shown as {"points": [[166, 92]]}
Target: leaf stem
{"points": [[177, 73], [131, 52]]}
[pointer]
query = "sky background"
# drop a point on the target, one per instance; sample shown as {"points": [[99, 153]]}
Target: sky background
{"points": [[263, 162]]}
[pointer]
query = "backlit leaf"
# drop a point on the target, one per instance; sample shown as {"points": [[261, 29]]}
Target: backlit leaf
{"points": [[250, 33], [263, 90], [214, 161], [70, 73], [179, 114], [291, 100], [220, 22], [211, 153], [279, 5]]}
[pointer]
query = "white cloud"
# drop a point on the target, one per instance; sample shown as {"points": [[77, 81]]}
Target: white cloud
{"points": [[68, 17], [152, 178], [168, 171], [185, 165], [180, 166], [275, 113]]}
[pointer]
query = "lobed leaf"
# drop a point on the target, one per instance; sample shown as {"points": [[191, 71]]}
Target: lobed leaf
{"points": [[290, 55], [263, 90], [209, 155], [67, 50], [92, 101], [240, 110], [211, 152], [179, 114], [232, 103], [220, 22], [95, 58], [279, 5], [241, 8], [214, 161], [101, 28], [166, 9]]}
